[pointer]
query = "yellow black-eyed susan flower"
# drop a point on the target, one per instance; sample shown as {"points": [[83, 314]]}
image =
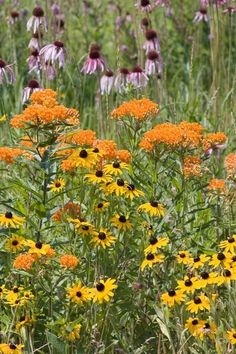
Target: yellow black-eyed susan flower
{"points": [[151, 259], [227, 275], [2, 290], [184, 257], [198, 303], [118, 187], [131, 191], [206, 279], [103, 290], [98, 176], [57, 185], [38, 248], [11, 348], [23, 321], [115, 168], [10, 220], [121, 222], [14, 243], [199, 261], [188, 285], [153, 208], [101, 206], [231, 336], [70, 331], [103, 238], [85, 228], [208, 329], [219, 259], [156, 243], [194, 325], [172, 297], [79, 293], [86, 158], [229, 244]]}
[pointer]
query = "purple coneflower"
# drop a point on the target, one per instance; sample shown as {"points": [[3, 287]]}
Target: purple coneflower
{"points": [[201, 15], [37, 20], [153, 63], [33, 60], [138, 77], [144, 5], [56, 10], [53, 52], [34, 42], [50, 70], [229, 10], [106, 82], [94, 62], [6, 72], [121, 79], [14, 17], [152, 41], [32, 86]]}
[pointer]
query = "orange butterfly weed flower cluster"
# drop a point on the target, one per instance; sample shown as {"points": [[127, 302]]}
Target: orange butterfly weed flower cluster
{"points": [[230, 165], [44, 109], [192, 166], [216, 185], [79, 137], [173, 136], [214, 140], [69, 261], [70, 208], [24, 261], [8, 154], [142, 109]]}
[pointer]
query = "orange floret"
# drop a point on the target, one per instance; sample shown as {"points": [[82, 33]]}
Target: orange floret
{"points": [[24, 261], [72, 209], [123, 155], [139, 109], [192, 166], [107, 148], [69, 261], [8, 154], [216, 184]]}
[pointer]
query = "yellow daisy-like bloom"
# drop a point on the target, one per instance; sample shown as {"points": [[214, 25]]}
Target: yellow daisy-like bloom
{"points": [[231, 261], [184, 257], [231, 336], [100, 207], [2, 290], [14, 243], [220, 259], [69, 261], [10, 220], [153, 208], [131, 192], [79, 293], [199, 261], [194, 326], [226, 276], [156, 243], [71, 332], [11, 348], [208, 329], [121, 222], [103, 238], [172, 297], [86, 158], [98, 176], [37, 249], [23, 322], [151, 259], [27, 295], [229, 244], [207, 279], [104, 290], [199, 303], [116, 168], [188, 285], [117, 187], [57, 185], [85, 228]]}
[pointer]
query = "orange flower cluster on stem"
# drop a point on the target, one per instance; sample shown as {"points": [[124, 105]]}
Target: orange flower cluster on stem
{"points": [[8, 154], [230, 165], [139, 109], [216, 185], [192, 166], [70, 208], [44, 109]]}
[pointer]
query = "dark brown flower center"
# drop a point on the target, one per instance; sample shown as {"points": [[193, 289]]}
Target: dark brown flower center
{"points": [[96, 150], [194, 322], [131, 187], [234, 335], [116, 165], [152, 55], [8, 215], [171, 293], [227, 273], [14, 242], [15, 290], [78, 294], [207, 325], [102, 236], [2, 63], [137, 69], [58, 184], [150, 34], [231, 240], [205, 275], [94, 54], [150, 257], [59, 44], [145, 22], [22, 318], [122, 218], [196, 259], [100, 287], [85, 227], [220, 256], [153, 240], [99, 173], [34, 53], [197, 300], [182, 255], [83, 154], [188, 282], [12, 346], [120, 182], [14, 14], [100, 205], [39, 245], [109, 73], [33, 84], [154, 204], [124, 71], [38, 12], [145, 3]]}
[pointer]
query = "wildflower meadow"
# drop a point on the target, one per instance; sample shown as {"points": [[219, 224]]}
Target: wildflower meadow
{"points": [[118, 177]]}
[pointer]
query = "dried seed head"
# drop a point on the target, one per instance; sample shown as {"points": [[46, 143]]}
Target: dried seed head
{"points": [[38, 11]]}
